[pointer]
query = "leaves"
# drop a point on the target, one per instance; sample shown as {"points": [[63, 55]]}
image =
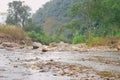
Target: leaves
{"points": [[18, 13]]}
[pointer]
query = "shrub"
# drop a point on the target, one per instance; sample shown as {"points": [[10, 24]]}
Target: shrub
{"points": [[79, 39], [96, 40], [13, 31], [117, 34], [44, 39]]}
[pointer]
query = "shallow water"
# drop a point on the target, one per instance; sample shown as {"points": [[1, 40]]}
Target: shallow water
{"points": [[13, 64]]}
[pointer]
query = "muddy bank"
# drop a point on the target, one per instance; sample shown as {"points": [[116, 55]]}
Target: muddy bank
{"points": [[64, 65]]}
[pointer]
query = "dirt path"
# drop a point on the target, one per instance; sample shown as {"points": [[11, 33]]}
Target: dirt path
{"points": [[16, 65]]}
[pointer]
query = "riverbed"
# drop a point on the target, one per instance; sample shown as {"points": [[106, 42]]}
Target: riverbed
{"points": [[66, 65]]}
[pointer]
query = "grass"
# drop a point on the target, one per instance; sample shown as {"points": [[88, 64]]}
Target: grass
{"points": [[98, 41], [79, 39], [13, 32]]}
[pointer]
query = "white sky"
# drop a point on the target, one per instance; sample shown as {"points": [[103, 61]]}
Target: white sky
{"points": [[33, 4]]}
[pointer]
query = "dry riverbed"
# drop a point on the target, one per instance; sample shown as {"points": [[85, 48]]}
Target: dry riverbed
{"points": [[21, 64]]}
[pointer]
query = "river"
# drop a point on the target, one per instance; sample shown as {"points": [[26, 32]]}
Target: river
{"points": [[18, 65]]}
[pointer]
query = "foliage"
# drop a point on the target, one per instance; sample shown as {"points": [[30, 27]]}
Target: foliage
{"points": [[117, 34], [31, 26], [104, 12], [44, 39], [41, 38], [79, 39], [18, 13], [53, 15]]}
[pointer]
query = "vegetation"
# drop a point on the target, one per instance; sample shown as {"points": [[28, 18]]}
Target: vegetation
{"points": [[53, 16], [18, 13], [72, 21], [79, 39], [13, 32], [44, 39], [100, 17]]}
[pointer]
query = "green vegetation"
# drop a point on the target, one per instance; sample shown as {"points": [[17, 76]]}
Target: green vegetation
{"points": [[96, 22], [44, 39], [18, 13], [41, 38], [79, 39], [54, 16], [100, 17]]}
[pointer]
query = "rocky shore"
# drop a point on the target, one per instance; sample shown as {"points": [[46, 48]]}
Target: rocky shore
{"points": [[38, 47]]}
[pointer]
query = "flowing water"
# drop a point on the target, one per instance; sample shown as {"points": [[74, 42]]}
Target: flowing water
{"points": [[15, 65]]}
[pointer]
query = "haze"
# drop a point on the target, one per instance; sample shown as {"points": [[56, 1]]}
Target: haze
{"points": [[33, 4]]}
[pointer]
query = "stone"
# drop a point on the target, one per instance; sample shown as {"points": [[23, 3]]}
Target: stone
{"points": [[8, 44], [44, 50], [53, 44], [23, 42], [36, 45], [15, 66], [118, 47], [33, 66]]}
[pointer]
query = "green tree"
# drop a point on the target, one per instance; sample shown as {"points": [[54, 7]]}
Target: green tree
{"points": [[31, 26], [18, 13], [104, 12]]}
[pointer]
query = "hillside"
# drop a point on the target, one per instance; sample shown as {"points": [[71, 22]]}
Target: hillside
{"points": [[54, 15]]}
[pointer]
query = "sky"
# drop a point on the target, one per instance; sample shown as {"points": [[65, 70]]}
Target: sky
{"points": [[33, 4]]}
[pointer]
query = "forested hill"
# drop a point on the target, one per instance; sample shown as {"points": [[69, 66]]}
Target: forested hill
{"points": [[80, 19], [55, 8], [54, 14]]}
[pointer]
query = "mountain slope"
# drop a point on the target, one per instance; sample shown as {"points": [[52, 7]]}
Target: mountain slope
{"points": [[54, 15]]}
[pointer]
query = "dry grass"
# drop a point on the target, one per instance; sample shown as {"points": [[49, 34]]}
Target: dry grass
{"points": [[13, 32], [105, 42]]}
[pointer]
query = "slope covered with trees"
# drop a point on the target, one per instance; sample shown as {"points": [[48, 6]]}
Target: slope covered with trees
{"points": [[80, 20], [71, 21], [53, 15]]}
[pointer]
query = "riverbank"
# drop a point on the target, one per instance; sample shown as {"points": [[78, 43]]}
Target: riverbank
{"points": [[53, 47]]}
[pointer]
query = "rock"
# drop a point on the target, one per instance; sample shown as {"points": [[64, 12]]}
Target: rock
{"points": [[44, 50], [23, 42], [61, 42], [15, 66], [118, 47], [33, 66], [53, 44], [54, 74], [8, 44], [36, 45], [75, 48], [42, 70]]}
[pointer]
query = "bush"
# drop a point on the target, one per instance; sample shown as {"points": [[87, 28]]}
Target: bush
{"points": [[44, 39], [13, 31], [96, 40], [79, 39], [117, 34]]}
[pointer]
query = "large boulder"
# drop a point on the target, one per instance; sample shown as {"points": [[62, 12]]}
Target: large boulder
{"points": [[36, 45]]}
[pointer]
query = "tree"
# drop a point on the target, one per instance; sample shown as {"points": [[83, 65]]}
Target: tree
{"points": [[105, 13], [31, 26], [18, 13]]}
